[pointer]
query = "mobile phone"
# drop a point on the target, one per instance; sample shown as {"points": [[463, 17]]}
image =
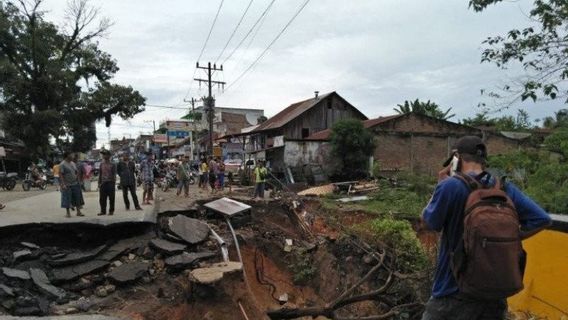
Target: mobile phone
{"points": [[455, 165]]}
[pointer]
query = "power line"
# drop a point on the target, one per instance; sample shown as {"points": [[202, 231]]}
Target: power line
{"points": [[234, 31], [270, 45], [204, 45], [165, 107], [249, 32]]}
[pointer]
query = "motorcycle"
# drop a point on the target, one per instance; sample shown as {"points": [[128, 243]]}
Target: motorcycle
{"points": [[8, 180], [169, 181], [29, 182]]}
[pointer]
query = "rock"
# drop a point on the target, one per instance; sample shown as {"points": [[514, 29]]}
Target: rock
{"points": [[43, 304], [167, 247], [283, 298], [185, 260], [6, 291], [190, 230], [131, 256], [117, 263], [110, 288], [15, 273], [8, 304], [27, 311], [214, 272], [78, 257], [25, 301], [29, 245], [74, 272], [40, 279], [20, 255], [101, 292], [128, 272], [83, 304], [148, 253], [71, 311], [288, 245]]}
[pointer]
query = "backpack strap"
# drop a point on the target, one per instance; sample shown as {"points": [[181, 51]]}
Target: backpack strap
{"points": [[500, 183]]}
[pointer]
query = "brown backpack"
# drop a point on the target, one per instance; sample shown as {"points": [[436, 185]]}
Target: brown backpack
{"points": [[489, 261]]}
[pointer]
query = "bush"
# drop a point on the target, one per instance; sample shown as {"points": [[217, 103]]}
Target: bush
{"points": [[302, 267]]}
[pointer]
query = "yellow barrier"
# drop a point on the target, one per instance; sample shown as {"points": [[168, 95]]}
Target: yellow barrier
{"points": [[546, 277]]}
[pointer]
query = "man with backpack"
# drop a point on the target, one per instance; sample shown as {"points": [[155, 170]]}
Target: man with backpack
{"points": [[483, 220]]}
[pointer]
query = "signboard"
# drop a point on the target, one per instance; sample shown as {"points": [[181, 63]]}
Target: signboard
{"points": [[178, 134], [178, 125], [160, 138]]}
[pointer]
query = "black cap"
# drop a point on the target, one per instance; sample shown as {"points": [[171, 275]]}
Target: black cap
{"points": [[472, 145], [104, 151]]}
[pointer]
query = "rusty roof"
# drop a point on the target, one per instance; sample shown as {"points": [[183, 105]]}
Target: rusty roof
{"points": [[325, 134], [290, 113]]}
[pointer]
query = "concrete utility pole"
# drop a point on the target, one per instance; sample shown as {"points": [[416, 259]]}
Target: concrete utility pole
{"points": [[209, 101], [192, 112]]}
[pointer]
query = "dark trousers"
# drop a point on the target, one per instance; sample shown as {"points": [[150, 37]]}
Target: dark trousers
{"points": [[259, 190], [132, 189], [107, 190], [457, 307]]}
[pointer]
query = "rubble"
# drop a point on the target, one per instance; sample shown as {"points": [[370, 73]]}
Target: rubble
{"points": [[6, 291], [214, 272], [30, 245], [78, 257], [76, 271], [318, 191], [128, 272], [18, 255], [167, 247], [15, 273], [186, 260], [189, 230], [40, 279]]}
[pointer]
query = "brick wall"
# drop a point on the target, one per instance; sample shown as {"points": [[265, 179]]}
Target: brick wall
{"points": [[500, 145]]}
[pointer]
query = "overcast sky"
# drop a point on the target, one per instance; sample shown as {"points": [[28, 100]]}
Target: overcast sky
{"points": [[374, 53]]}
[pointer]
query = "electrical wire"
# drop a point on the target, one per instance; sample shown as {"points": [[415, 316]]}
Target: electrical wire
{"points": [[203, 49], [270, 45], [234, 31], [249, 32]]}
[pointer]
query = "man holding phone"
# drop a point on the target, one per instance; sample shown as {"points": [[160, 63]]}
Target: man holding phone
{"points": [[463, 174]]}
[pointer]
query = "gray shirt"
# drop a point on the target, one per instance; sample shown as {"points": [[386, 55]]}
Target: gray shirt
{"points": [[68, 173]]}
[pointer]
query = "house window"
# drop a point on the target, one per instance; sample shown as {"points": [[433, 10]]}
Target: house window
{"points": [[329, 104], [305, 132]]}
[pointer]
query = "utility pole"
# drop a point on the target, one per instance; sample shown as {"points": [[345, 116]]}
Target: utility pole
{"points": [[192, 112], [209, 101]]}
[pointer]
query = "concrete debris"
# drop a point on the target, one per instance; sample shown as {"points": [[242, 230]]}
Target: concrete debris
{"points": [[6, 291], [19, 255], [228, 207], [167, 247], [78, 257], [353, 199], [15, 273], [117, 263], [76, 271], [42, 282], [283, 298], [103, 291], [131, 256], [190, 230], [288, 245], [215, 272], [129, 272], [186, 260], [318, 191], [29, 245]]}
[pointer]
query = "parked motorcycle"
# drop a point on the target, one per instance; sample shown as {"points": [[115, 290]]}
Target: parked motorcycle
{"points": [[8, 180], [29, 181], [169, 181]]}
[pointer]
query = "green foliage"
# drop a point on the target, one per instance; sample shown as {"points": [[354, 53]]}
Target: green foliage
{"points": [[302, 267], [352, 144], [558, 141], [541, 51], [521, 122], [55, 81], [548, 186], [426, 108], [376, 169], [400, 237], [560, 120]]}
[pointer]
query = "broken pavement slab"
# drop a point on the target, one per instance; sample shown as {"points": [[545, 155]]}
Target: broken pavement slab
{"points": [[15, 273], [30, 245], [76, 271], [78, 257], [186, 260], [6, 291], [129, 272], [167, 247], [190, 230], [21, 254], [227, 207], [42, 282], [215, 272]]}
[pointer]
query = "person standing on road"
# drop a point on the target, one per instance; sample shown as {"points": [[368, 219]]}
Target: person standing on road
{"points": [[55, 171], [203, 170], [71, 195], [259, 176], [125, 170], [221, 176], [107, 184], [472, 283], [182, 174], [147, 171], [213, 173]]}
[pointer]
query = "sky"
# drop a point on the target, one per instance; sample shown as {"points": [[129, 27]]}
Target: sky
{"points": [[374, 53]]}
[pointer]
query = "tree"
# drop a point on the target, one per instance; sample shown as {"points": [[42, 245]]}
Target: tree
{"points": [[559, 120], [55, 82], [541, 51], [427, 108], [520, 122], [352, 144]]}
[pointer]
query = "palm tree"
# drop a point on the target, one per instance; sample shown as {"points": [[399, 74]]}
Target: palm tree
{"points": [[428, 108]]}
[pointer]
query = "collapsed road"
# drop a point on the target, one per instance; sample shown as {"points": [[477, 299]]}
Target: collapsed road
{"points": [[202, 258]]}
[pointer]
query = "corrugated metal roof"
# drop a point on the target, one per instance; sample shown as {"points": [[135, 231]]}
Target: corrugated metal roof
{"points": [[290, 113], [325, 134]]}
